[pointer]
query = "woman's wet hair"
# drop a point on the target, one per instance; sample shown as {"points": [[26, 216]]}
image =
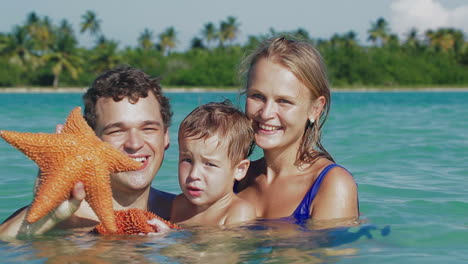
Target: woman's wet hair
{"points": [[305, 62]]}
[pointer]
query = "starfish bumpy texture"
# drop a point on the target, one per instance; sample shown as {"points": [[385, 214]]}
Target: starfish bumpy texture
{"points": [[133, 222], [76, 154]]}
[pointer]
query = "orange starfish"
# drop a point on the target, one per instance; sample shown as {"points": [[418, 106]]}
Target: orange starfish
{"points": [[133, 222], [76, 154]]}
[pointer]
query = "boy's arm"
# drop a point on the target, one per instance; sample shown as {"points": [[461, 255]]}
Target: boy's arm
{"points": [[16, 224]]}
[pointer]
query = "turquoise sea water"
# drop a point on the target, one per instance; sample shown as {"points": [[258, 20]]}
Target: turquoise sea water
{"points": [[407, 150]]}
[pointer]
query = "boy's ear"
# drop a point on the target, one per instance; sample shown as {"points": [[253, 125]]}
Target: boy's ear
{"points": [[241, 169]]}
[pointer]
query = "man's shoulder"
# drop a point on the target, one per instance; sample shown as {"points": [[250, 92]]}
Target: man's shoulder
{"points": [[160, 202], [161, 195]]}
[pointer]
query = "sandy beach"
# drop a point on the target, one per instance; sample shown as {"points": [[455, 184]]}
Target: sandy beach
{"points": [[83, 89], [213, 89]]}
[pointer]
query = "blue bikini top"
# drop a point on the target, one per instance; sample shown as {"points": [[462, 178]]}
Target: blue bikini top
{"points": [[302, 211]]}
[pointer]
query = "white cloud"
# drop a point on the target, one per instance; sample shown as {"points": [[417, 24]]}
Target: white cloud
{"points": [[424, 15]]}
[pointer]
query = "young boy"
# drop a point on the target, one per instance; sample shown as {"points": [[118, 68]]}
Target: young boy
{"points": [[214, 142]]}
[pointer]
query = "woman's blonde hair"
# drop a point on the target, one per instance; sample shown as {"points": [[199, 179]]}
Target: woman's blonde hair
{"points": [[305, 62]]}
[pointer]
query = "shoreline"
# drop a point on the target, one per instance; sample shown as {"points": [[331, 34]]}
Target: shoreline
{"points": [[210, 89]]}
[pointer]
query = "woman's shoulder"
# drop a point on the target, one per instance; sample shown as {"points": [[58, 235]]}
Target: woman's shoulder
{"points": [[338, 182], [337, 175], [337, 196], [333, 179]]}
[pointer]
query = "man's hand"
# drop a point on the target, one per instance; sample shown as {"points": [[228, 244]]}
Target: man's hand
{"points": [[17, 224], [65, 210], [69, 207]]}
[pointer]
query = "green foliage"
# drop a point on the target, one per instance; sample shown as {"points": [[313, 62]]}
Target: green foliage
{"points": [[39, 53], [199, 67], [10, 74]]}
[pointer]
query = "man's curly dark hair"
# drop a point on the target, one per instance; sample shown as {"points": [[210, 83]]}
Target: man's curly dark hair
{"points": [[124, 82]]}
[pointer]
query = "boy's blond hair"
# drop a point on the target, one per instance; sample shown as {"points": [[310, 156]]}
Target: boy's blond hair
{"points": [[231, 125]]}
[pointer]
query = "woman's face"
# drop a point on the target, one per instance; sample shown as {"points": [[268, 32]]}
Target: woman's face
{"points": [[278, 104]]}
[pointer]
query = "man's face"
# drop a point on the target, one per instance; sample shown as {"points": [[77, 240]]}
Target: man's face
{"points": [[138, 131]]}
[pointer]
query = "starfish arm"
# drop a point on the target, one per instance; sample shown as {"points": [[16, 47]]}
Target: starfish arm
{"points": [[42, 148], [117, 161], [99, 196], [76, 154], [77, 125], [54, 187]]}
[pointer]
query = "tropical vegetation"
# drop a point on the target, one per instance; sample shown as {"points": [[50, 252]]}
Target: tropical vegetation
{"points": [[41, 53]]}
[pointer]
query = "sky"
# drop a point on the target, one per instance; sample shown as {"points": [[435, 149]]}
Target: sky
{"points": [[123, 20]]}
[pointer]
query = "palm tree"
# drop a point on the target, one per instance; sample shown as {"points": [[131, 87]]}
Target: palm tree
{"points": [[393, 41], [167, 40], [459, 39], [210, 33], [429, 36], [301, 34], [347, 40], [17, 46], [252, 42], [90, 23], [196, 43], [63, 55], [336, 40], [444, 39], [350, 39], [412, 39], [3, 41], [105, 55], [228, 30], [66, 29], [145, 40], [41, 32], [379, 32]]}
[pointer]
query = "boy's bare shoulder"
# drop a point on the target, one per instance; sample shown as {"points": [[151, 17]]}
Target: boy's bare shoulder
{"points": [[240, 211]]}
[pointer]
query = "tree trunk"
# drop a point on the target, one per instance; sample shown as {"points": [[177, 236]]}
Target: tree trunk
{"points": [[56, 81]]}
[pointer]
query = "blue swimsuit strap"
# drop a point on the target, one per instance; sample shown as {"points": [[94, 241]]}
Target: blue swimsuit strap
{"points": [[303, 209]]}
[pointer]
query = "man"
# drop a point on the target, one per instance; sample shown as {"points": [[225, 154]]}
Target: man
{"points": [[126, 108]]}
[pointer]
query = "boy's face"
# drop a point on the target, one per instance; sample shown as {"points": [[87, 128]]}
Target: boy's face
{"points": [[206, 174]]}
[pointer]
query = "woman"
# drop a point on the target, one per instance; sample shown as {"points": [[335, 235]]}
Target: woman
{"points": [[288, 99]]}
